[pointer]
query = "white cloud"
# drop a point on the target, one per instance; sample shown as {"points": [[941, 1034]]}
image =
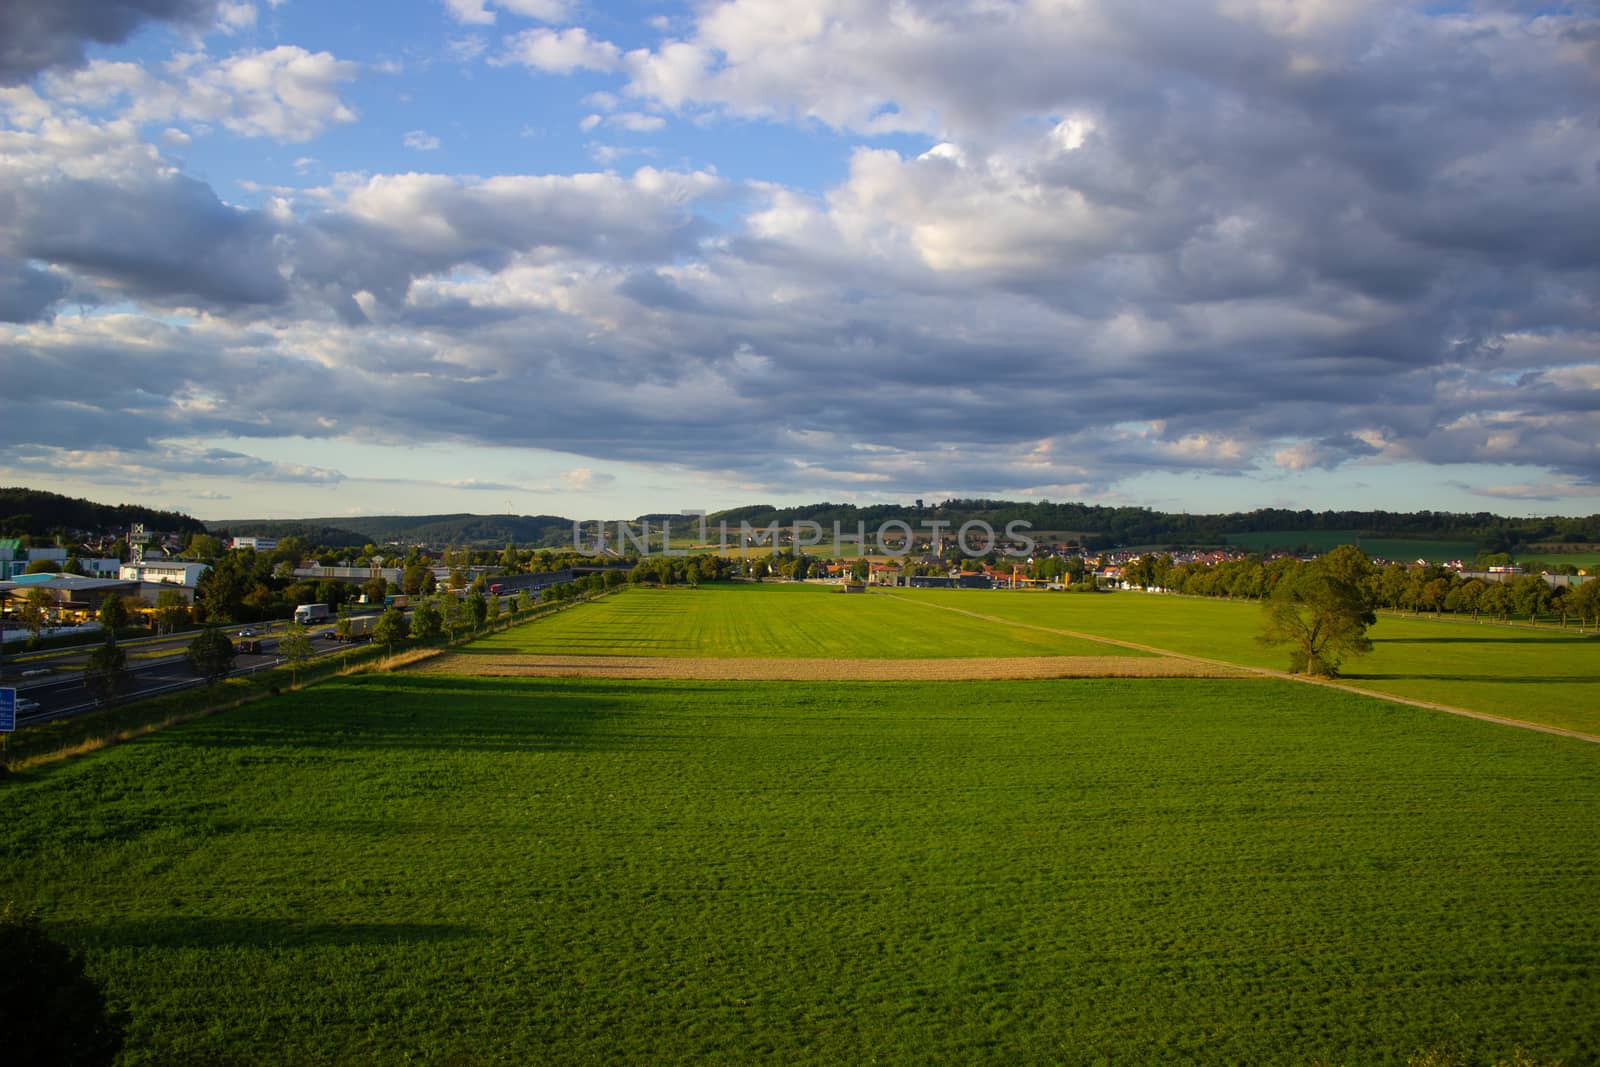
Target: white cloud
{"points": [[466, 49], [632, 121], [1307, 455], [471, 12], [234, 17], [421, 141], [24, 108], [636, 122], [543, 10], [608, 154], [583, 478], [1552, 489], [560, 51], [478, 486], [284, 93], [477, 13]]}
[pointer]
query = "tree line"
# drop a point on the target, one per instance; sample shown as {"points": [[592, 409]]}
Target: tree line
{"points": [[1432, 589]]}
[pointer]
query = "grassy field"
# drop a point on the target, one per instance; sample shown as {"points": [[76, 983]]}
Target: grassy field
{"points": [[1582, 560], [1547, 676], [773, 620], [1400, 549], [394, 868]]}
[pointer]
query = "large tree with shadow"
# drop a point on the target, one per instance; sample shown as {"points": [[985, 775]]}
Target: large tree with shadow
{"points": [[1321, 611]]}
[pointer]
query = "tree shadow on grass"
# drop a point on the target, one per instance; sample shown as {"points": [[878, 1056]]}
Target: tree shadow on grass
{"points": [[431, 712], [202, 932]]}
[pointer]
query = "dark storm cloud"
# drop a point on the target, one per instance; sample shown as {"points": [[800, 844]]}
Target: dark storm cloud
{"points": [[26, 292], [36, 35], [164, 237]]}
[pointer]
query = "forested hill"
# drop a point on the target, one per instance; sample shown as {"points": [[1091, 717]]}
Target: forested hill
{"points": [[1099, 526], [460, 529], [39, 512]]}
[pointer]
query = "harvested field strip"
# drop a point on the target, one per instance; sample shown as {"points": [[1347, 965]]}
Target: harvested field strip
{"points": [[802, 670]]}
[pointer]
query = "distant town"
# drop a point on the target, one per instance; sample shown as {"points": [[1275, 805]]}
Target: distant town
{"points": [[185, 575]]}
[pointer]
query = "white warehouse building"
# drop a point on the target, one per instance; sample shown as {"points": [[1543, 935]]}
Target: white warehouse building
{"points": [[164, 572]]}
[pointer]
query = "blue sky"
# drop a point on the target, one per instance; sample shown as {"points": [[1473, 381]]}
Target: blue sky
{"points": [[294, 259]]}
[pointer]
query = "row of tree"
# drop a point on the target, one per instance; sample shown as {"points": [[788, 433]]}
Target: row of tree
{"points": [[1396, 588], [211, 654]]}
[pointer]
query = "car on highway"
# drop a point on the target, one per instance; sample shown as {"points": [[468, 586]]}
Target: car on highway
{"points": [[328, 635], [247, 632], [25, 706]]}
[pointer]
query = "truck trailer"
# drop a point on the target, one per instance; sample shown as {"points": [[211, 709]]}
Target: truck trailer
{"points": [[357, 628], [306, 614]]}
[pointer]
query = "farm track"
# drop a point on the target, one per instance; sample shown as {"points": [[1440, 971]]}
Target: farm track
{"points": [[812, 670], [1266, 672]]}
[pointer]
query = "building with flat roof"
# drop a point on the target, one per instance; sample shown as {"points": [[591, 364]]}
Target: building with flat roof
{"points": [[69, 593], [164, 572], [14, 559]]}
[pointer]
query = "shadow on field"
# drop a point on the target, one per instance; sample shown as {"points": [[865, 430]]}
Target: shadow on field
{"points": [[186, 932], [429, 712]]}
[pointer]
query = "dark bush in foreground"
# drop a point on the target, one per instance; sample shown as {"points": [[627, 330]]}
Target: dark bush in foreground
{"points": [[50, 1010]]}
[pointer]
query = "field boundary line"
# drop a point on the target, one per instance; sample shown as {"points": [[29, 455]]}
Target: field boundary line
{"points": [[1267, 672]]}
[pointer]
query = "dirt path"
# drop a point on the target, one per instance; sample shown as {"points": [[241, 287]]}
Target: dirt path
{"points": [[1264, 672], [803, 670]]}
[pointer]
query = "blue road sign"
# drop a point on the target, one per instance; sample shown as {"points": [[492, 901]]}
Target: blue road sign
{"points": [[8, 710]]}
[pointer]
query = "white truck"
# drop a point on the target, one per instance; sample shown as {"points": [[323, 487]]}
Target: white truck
{"points": [[306, 614]]}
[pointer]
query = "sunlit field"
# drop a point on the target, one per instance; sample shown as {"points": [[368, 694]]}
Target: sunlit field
{"points": [[775, 620], [1544, 675], [1399, 549]]}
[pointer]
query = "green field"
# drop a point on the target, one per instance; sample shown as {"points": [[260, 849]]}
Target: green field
{"points": [[394, 868], [1582, 560], [774, 620], [1398, 549], [1545, 675]]}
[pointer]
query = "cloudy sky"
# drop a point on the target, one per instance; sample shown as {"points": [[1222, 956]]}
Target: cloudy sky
{"points": [[292, 258]]}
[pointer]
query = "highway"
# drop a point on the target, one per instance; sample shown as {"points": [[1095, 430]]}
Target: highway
{"points": [[156, 665]]}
